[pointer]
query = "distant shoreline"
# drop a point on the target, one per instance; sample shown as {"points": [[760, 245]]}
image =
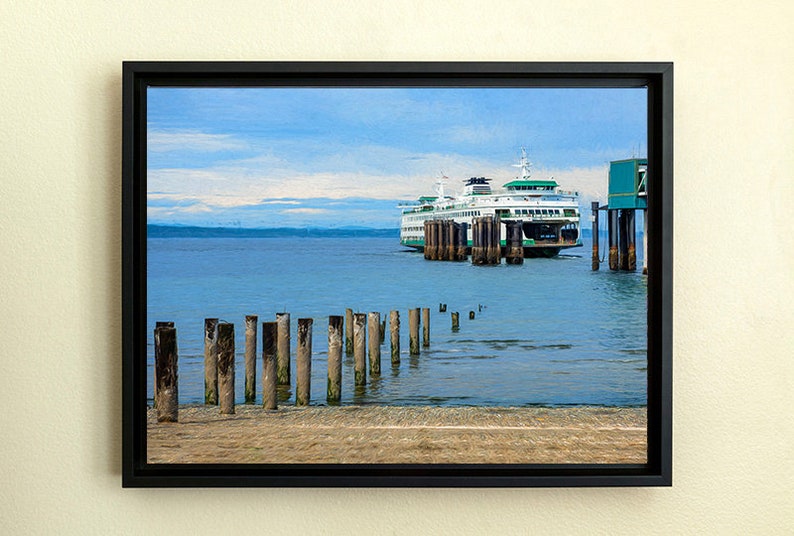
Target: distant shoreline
{"points": [[188, 231]]}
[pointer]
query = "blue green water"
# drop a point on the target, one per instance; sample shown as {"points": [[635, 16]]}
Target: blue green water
{"points": [[548, 332]]}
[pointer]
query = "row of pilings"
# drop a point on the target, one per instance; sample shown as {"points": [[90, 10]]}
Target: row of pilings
{"points": [[621, 235], [219, 354], [446, 240]]}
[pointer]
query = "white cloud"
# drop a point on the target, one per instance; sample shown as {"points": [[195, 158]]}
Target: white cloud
{"points": [[159, 141], [305, 210]]}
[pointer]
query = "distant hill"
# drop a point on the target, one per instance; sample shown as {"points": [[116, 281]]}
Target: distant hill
{"points": [[179, 231]]}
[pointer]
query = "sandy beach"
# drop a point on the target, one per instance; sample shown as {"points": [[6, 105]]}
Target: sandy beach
{"points": [[416, 434]]}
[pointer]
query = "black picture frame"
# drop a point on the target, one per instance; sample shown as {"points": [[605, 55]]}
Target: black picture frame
{"points": [[657, 77]]}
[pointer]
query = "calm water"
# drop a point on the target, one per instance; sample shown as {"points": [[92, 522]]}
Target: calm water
{"points": [[549, 332]]}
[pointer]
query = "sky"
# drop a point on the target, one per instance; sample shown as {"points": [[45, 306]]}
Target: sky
{"points": [[346, 157]]}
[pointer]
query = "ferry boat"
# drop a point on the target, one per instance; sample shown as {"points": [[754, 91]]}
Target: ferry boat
{"points": [[549, 215]]}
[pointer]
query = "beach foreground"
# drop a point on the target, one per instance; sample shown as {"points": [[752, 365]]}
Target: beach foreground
{"points": [[387, 434]]}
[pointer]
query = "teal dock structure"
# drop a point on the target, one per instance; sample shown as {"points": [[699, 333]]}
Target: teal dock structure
{"points": [[627, 194]]}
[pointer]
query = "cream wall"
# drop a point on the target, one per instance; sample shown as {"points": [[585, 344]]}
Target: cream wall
{"points": [[60, 134]]}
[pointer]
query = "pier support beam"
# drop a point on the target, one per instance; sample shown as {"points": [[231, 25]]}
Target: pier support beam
{"points": [[514, 250], [349, 331], [594, 218], [645, 242], [413, 331], [425, 327], [612, 232], [631, 253]]}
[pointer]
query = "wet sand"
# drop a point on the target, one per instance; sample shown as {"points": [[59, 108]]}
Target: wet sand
{"points": [[416, 434]]}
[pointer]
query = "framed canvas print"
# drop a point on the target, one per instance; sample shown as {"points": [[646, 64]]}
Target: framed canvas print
{"points": [[397, 274]]}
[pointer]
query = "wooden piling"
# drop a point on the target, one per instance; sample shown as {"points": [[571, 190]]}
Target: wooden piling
{"points": [[425, 327], [623, 239], [451, 244], [514, 248], [166, 374], [645, 242], [349, 331], [303, 363], [226, 368], [631, 262], [374, 343], [463, 241], [455, 321], [596, 263], [426, 248], [471, 315], [283, 349], [394, 331], [250, 358], [478, 241], [382, 330], [612, 233], [334, 391], [413, 331], [442, 307], [269, 379], [158, 325], [360, 348], [211, 361], [497, 240]]}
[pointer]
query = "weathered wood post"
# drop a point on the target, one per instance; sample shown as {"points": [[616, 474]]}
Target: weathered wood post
{"points": [[334, 391], [471, 315], [226, 368], [154, 387], [442, 307], [612, 232], [250, 358], [413, 331], [269, 380], [349, 331], [394, 332], [463, 241], [452, 246], [514, 248], [623, 239], [360, 348], [211, 361], [631, 236], [596, 263], [382, 330], [455, 321], [303, 363], [645, 241], [476, 241], [374, 343], [283, 349], [497, 240], [425, 327], [166, 374]]}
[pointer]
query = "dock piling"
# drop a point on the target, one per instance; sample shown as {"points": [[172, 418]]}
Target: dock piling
{"points": [[394, 331], [374, 343], [413, 331], [250, 358], [595, 264], [334, 391], [360, 348], [455, 321], [226, 368], [612, 232], [283, 349], [425, 327], [166, 374], [269, 380], [349, 331], [210, 361], [303, 362]]}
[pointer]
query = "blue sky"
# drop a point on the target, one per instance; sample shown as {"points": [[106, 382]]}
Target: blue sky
{"points": [[332, 157]]}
